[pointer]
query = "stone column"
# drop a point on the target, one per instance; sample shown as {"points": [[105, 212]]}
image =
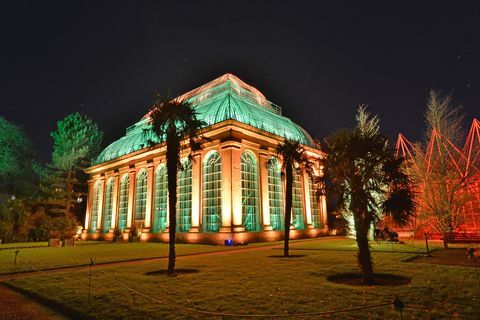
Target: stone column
{"points": [[196, 191], [116, 187], [88, 213], [131, 197], [149, 200], [101, 200], [323, 204], [323, 207], [226, 155], [308, 207], [231, 187], [264, 190], [167, 227], [236, 169]]}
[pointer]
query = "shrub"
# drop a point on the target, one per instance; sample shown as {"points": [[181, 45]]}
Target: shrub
{"points": [[14, 221], [62, 227], [117, 232], [39, 225]]}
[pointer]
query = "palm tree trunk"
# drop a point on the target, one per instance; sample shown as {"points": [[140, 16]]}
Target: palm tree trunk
{"points": [[364, 257], [288, 207], [173, 149]]}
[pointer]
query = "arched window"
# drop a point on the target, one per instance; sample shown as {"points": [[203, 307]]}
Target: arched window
{"points": [[107, 220], [123, 204], [161, 192], [250, 209], [141, 195], [95, 207], [184, 196], [212, 192], [314, 205], [297, 208], [275, 194]]}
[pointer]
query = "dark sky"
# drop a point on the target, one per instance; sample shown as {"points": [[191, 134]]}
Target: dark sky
{"points": [[317, 60]]}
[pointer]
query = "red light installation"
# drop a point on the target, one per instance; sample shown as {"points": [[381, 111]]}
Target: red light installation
{"points": [[463, 182]]}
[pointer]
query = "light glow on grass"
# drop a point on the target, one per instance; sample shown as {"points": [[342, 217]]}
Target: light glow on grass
{"points": [[251, 282]]}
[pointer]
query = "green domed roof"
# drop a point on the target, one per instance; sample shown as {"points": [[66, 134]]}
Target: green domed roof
{"points": [[225, 98]]}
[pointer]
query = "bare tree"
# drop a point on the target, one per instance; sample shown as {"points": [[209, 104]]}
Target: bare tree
{"points": [[442, 183]]}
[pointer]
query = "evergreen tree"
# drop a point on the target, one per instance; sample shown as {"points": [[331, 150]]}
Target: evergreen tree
{"points": [[17, 177], [76, 141]]}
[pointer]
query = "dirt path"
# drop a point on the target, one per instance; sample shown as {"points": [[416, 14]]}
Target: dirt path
{"points": [[15, 306]]}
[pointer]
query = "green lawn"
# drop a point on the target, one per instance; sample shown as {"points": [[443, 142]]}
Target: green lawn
{"points": [[22, 245], [37, 256], [5, 246], [42, 258], [257, 282], [349, 245]]}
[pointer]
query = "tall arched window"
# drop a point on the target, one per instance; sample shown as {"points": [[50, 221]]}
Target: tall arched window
{"points": [[275, 194], [184, 196], [250, 208], [107, 220], [161, 192], [212, 192], [297, 208], [314, 205], [95, 207], [141, 196], [123, 203]]}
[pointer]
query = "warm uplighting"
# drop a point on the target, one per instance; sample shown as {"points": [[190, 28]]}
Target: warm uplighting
{"points": [[227, 193], [463, 163]]}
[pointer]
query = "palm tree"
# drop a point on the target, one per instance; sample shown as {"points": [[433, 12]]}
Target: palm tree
{"points": [[293, 155], [362, 172], [174, 121]]}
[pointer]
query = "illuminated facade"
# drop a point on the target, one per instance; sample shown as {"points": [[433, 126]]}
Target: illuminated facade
{"points": [[233, 188]]}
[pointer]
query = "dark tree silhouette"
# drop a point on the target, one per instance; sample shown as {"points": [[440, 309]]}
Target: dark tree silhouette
{"points": [[361, 170], [292, 154], [174, 121]]}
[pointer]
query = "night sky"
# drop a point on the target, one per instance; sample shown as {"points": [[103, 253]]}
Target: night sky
{"points": [[318, 61]]}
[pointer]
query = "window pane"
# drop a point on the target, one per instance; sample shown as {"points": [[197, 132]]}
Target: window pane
{"points": [[161, 196], [123, 204], [250, 208], [184, 196], [297, 209], [95, 207], [108, 206], [275, 194], [314, 205], [141, 196], [212, 193]]}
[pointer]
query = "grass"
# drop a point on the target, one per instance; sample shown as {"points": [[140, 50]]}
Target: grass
{"points": [[7, 246], [42, 258], [40, 244], [382, 246], [252, 282], [450, 257]]}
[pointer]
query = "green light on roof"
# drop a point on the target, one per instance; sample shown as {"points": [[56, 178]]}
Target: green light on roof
{"points": [[226, 98]]}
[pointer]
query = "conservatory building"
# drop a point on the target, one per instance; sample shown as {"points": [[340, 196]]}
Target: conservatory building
{"points": [[231, 189]]}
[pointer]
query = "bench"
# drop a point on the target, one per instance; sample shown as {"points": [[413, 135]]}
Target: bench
{"points": [[457, 237]]}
